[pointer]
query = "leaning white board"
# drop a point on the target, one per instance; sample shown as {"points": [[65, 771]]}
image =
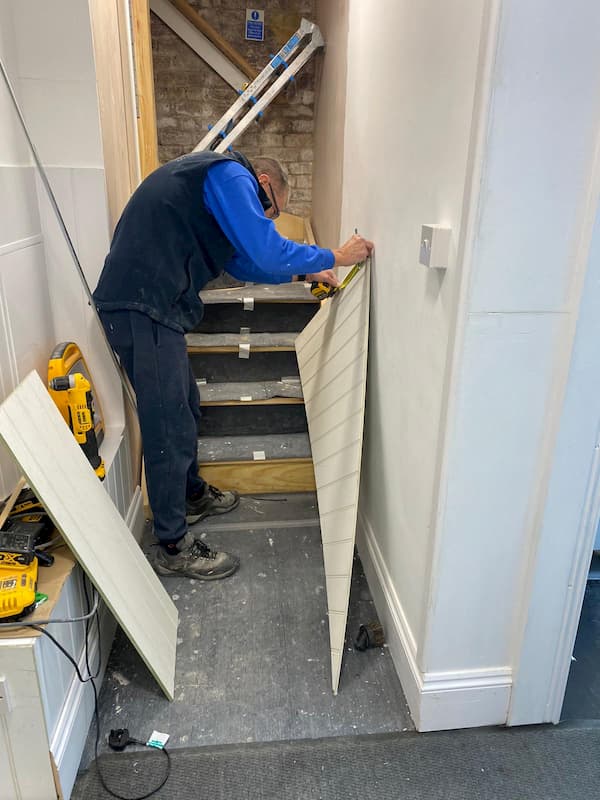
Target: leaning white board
{"points": [[62, 478], [332, 356]]}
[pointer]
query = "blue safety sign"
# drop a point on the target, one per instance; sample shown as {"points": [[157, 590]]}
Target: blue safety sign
{"points": [[255, 24]]}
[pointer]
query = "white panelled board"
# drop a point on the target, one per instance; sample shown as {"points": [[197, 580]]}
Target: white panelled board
{"points": [[332, 356], [62, 478]]}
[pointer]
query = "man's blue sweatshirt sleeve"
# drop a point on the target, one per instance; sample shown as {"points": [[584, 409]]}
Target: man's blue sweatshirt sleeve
{"points": [[263, 256]]}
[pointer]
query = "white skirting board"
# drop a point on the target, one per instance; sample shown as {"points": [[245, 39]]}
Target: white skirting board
{"points": [[59, 473], [332, 357], [437, 700]]}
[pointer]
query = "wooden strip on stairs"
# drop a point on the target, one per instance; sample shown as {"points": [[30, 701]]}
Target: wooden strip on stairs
{"points": [[230, 342], [228, 462], [295, 292], [251, 392]]}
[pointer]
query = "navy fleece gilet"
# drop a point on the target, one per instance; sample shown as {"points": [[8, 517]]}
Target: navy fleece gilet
{"points": [[166, 246]]}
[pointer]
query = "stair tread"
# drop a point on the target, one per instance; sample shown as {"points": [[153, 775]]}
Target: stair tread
{"points": [[296, 292], [242, 448], [257, 390], [233, 340]]}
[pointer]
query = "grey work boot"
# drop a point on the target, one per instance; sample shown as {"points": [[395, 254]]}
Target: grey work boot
{"points": [[195, 560], [213, 501]]}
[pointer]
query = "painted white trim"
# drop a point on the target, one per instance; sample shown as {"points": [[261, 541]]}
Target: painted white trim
{"points": [[60, 739], [579, 573], [135, 519], [482, 107], [530, 665], [199, 43], [437, 700], [399, 636], [20, 244]]}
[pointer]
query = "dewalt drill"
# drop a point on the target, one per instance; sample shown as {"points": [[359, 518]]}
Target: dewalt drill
{"points": [[80, 405]]}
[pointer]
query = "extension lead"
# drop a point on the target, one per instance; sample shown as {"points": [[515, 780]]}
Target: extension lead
{"points": [[121, 736]]}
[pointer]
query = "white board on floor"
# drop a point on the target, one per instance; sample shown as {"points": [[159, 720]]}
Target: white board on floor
{"points": [[332, 356], [62, 478]]}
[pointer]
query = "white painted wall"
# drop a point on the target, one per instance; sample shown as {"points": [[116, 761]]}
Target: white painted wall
{"points": [[482, 116], [411, 89], [47, 50], [25, 320], [57, 83], [529, 260]]}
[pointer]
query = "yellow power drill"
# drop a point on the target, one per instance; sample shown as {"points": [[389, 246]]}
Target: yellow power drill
{"points": [[80, 405]]}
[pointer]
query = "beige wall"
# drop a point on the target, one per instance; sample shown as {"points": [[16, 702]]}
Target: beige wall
{"points": [[332, 18]]}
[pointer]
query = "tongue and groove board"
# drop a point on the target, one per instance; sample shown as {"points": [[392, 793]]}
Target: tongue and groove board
{"points": [[332, 357], [61, 476]]}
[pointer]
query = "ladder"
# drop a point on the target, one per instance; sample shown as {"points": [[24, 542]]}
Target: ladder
{"points": [[237, 118]]}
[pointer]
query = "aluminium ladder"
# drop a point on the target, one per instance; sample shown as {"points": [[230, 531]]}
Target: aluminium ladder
{"points": [[237, 118]]}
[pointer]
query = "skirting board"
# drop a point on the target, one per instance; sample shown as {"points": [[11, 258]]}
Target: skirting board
{"points": [[437, 700]]}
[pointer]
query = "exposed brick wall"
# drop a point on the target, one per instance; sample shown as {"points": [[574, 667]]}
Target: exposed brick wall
{"points": [[190, 96]]}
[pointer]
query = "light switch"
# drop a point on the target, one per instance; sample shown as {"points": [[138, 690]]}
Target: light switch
{"points": [[434, 251]]}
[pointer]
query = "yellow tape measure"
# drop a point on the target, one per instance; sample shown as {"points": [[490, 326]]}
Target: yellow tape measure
{"points": [[322, 290]]}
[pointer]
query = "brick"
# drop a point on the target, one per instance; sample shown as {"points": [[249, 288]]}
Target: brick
{"points": [[300, 169], [302, 125], [303, 181], [296, 140], [189, 95]]}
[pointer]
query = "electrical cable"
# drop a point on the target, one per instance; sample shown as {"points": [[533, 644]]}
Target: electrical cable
{"points": [[130, 395], [92, 680], [60, 621], [64, 230]]}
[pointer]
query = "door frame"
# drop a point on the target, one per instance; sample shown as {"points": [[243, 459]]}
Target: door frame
{"points": [[569, 510]]}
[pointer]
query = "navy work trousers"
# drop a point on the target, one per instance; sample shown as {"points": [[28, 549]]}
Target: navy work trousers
{"points": [[156, 361]]}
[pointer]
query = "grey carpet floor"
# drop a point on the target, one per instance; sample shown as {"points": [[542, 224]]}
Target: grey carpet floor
{"points": [[253, 650], [482, 764]]}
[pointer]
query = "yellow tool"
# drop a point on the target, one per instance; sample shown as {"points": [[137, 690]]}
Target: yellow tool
{"points": [[67, 359], [18, 573], [322, 290], [20, 555], [80, 415]]}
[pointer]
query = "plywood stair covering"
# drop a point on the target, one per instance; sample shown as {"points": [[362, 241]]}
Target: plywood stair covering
{"points": [[253, 435]]}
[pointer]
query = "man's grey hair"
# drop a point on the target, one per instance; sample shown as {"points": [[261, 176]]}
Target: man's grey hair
{"points": [[272, 168]]}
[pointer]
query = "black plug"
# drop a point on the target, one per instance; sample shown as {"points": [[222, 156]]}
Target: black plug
{"points": [[119, 739]]}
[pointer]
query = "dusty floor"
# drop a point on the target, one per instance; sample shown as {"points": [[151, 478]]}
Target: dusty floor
{"points": [[253, 655]]}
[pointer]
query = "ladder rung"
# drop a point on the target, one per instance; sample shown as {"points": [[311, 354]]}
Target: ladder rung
{"points": [[226, 124]]}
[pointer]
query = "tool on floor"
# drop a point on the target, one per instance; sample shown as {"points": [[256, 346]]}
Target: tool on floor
{"points": [[368, 636], [250, 104], [322, 290], [80, 409]]}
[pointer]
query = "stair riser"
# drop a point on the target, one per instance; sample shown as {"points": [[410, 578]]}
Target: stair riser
{"points": [[252, 420], [230, 368], [265, 318]]}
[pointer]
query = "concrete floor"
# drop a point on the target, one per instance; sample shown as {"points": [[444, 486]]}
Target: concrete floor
{"points": [[253, 655]]}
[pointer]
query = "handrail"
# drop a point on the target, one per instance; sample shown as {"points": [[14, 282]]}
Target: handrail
{"points": [[215, 37]]}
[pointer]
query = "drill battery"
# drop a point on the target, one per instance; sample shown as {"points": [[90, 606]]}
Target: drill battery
{"points": [[18, 569]]}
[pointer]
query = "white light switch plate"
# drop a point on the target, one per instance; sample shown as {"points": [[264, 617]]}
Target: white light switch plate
{"points": [[434, 251]]}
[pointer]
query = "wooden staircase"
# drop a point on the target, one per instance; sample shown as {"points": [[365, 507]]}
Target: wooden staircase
{"points": [[253, 435]]}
